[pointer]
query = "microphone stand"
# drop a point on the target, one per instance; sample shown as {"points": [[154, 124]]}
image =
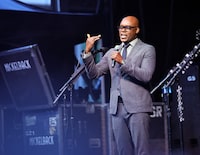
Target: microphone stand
{"points": [[68, 85], [76, 75], [166, 84]]}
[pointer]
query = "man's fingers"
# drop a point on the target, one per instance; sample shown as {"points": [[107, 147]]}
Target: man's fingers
{"points": [[95, 37], [88, 35]]}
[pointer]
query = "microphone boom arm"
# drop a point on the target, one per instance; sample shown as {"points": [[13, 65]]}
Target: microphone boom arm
{"points": [[72, 79], [76, 75]]}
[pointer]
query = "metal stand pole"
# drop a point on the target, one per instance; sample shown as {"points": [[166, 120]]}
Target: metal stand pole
{"points": [[72, 121], [166, 91]]}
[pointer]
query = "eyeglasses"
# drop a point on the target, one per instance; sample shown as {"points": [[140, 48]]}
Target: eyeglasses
{"points": [[126, 27]]}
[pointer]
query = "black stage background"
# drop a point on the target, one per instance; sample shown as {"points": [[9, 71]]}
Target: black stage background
{"points": [[168, 25]]}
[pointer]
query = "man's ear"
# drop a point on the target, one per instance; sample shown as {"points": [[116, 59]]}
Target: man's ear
{"points": [[138, 30]]}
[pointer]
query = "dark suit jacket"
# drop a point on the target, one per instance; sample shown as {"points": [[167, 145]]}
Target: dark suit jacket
{"points": [[139, 64]]}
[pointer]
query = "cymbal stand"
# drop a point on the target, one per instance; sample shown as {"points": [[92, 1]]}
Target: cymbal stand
{"points": [[169, 80]]}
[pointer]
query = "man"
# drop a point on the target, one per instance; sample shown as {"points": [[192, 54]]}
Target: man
{"points": [[130, 100]]}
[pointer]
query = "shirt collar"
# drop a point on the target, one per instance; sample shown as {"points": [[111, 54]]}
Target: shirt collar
{"points": [[133, 42]]}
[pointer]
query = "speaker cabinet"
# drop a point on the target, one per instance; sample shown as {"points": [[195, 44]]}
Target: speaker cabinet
{"points": [[63, 130], [86, 130], [185, 113], [42, 132], [158, 130]]}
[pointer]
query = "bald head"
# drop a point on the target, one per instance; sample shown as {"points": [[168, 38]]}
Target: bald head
{"points": [[132, 20], [128, 28]]}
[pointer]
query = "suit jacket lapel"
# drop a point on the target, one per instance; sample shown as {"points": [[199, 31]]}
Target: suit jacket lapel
{"points": [[134, 50]]}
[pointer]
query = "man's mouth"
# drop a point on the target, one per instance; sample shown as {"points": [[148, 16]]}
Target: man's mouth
{"points": [[123, 36]]}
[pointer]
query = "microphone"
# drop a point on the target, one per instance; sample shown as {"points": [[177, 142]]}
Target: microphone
{"points": [[117, 48], [102, 49]]}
